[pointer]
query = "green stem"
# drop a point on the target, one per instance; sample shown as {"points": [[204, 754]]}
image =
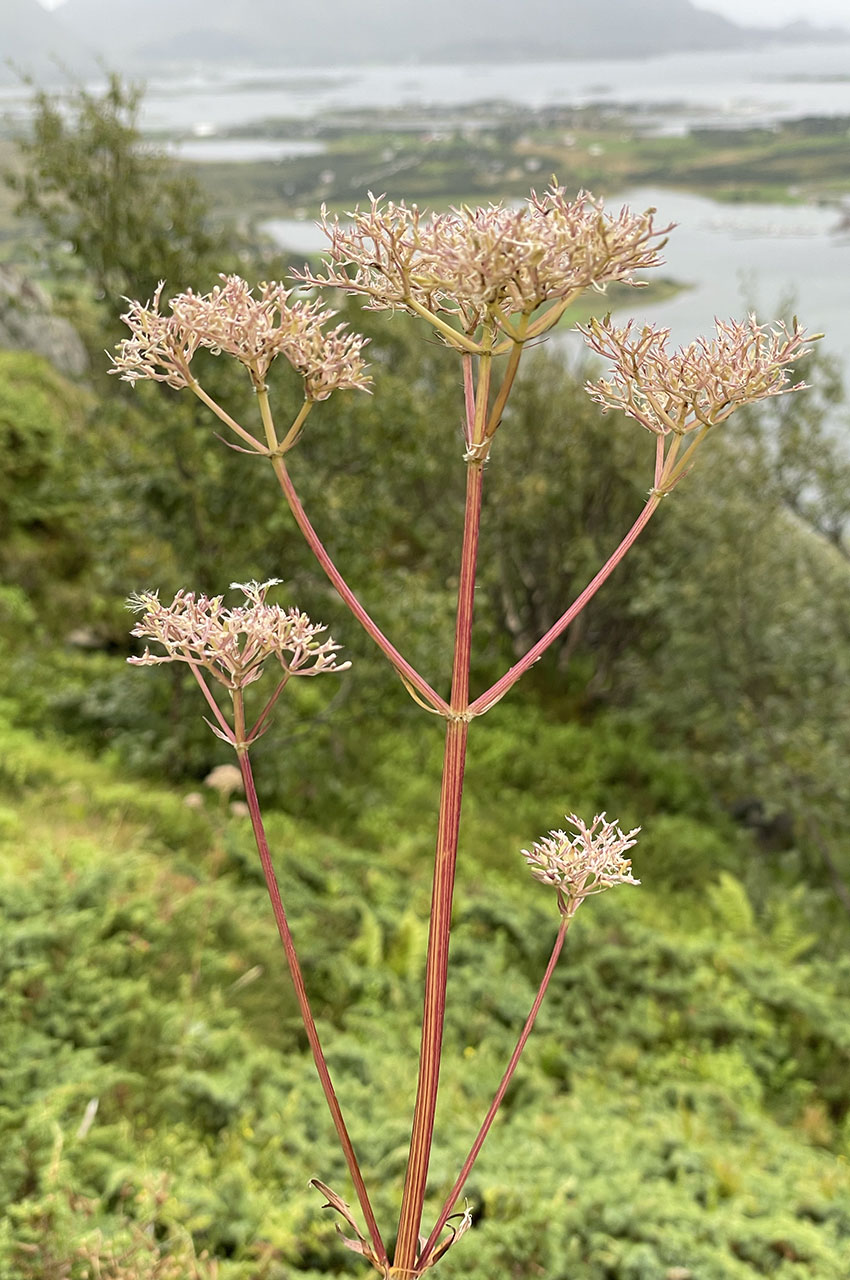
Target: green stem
{"points": [[295, 430], [508, 380], [672, 475], [454, 337], [223, 416]]}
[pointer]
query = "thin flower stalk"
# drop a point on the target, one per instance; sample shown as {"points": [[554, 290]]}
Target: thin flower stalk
{"points": [[501, 686], [508, 378], [673, 395], [408, 673], [304, 1006], [461, 1180], [232, 645], [578, 865]]}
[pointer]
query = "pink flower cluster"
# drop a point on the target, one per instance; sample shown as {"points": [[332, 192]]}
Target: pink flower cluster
{"points": [[486, 263], [695, 386], [255, 330], [583, 863], [232, 644]]}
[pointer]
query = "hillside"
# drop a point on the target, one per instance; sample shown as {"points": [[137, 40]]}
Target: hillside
{"points": [[333, 32], [160, 1110]]}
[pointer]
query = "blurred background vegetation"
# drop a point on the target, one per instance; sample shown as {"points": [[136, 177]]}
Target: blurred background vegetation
{"points": [[684, 1111]]}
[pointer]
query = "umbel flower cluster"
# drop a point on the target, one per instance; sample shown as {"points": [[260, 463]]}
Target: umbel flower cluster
{"points": [[233, 645], [255, 330], [489, 263], [588, 861], [698, 385]]}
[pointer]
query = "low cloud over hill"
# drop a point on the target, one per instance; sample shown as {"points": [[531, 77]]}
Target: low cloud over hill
{"points": [[266, 32]]}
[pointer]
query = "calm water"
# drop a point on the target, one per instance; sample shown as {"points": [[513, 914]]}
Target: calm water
{"points": [[211, 149], [734, 258], [771, 84], [777, 83]]}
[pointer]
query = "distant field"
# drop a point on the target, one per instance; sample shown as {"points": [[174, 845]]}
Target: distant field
{"points": [[493, 152], [802, 160]]}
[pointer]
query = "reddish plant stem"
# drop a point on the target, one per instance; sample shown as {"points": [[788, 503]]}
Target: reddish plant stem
{"points": [[436, 968], [304, 1003], [500, 688], [405, 670], [451, 1198]]}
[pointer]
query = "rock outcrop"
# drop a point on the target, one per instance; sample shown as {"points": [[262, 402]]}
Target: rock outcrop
{"points": [[27, 323]]}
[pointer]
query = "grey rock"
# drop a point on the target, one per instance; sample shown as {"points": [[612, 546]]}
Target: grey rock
{"points": [[28, 324]]}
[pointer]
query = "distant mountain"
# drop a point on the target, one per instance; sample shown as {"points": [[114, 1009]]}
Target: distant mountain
{"points": [[159, 33], [36, 43]]}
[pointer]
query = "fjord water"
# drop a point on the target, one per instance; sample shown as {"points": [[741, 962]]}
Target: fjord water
{"points": [[779, 82]]}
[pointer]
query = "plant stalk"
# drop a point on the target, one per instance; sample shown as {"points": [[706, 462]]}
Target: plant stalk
{"points": [[301, 993], [402, 666], [436, 968], [451, 1198]]}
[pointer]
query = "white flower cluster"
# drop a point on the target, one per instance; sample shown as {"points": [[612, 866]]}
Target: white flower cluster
{"points": [[586, 861], [486, 263], [695, 386], [255, 330], [232, 644]]}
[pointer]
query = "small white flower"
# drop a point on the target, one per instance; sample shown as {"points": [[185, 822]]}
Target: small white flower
{"points": [[584, 862], [232, 644], [698, 385]]}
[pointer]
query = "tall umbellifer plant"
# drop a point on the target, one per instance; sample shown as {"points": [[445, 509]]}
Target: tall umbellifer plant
{"points": [[487, 282]]}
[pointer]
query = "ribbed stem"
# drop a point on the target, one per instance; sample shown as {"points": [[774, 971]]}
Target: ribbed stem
{"points": [[436, 969], [451, 1198]]}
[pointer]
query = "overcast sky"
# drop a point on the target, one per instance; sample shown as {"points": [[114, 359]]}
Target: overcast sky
{"points": [[774, 12], [768, 13]]}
